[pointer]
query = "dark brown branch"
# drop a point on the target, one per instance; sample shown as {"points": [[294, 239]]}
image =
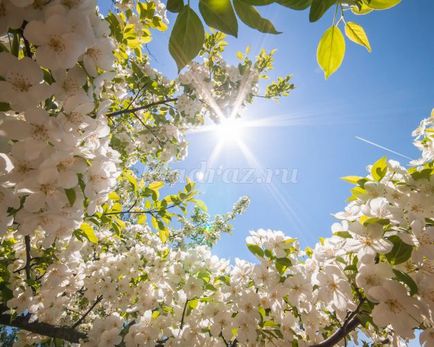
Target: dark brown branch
{"points": [[27, 266], [183, 314], [144, 107], [40, 328], [98, 299], [340, 333]]}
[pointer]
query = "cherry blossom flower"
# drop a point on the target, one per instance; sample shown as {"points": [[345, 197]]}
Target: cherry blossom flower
{"points": [[396, 308], [58, 46], [99, 56], [334, 289], [22, 86], [368, 240]]}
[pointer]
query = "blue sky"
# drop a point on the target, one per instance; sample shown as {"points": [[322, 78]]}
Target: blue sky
{"points": [[380, 96]]}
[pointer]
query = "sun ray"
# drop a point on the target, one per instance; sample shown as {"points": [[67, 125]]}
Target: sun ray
{"points": [[280, 199]]}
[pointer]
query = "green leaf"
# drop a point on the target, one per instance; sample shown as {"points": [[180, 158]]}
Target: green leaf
{"points": [[295, 4], [71, 195], [373, 220], [400, 252], [352, 179], [331, 50], [114, 196], [255, 249], [424, 174], [174, 5], [282, 264], [201, 205], [309, 252], [361, 9], [187, 38], [3, 48], [251, 17], [356, 192], [204, 276], [88, 232], [382, 4], [357, 34], [4, 106], [318, 8], [164, 233], [225, 279], [259, 2], [407, 280], [156, 185], [343, 234], [379, 169], [141, 219], [192, 303], [220, 15], [129, 175], [284, 261]]}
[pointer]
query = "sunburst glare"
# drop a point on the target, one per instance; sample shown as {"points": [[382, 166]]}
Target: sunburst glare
{"points": [[230, 130]]}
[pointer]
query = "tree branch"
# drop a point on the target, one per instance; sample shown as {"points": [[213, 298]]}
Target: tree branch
{"points": [[183, 314], [131, 110], [151, 211], [40, 328], [341, 333], [76, 324], [28, 257]]}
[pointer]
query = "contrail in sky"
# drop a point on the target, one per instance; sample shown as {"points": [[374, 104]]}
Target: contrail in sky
{"points": [[382, 147]]}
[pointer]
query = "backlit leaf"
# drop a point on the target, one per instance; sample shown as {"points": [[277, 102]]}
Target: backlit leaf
{"points": [[331, 50], [251, 17], [357, 34], [220, 15], [187, 37]]}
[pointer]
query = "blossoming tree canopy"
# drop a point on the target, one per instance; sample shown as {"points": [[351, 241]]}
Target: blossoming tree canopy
{"points": [[94, 253]]}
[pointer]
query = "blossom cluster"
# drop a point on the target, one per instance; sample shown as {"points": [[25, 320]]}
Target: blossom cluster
{"points": [[58, 164]]}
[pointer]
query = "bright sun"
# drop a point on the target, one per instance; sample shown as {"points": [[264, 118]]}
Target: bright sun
{"points": [[230, 129]]}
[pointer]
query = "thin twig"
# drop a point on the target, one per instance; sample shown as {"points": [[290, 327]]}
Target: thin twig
{"points": [[183, 314], [139, 212], [28, 257], [127, 110], [76, 324]]}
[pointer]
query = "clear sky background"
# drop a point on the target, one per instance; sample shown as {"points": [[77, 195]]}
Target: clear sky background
{"points": [[380, 96]]}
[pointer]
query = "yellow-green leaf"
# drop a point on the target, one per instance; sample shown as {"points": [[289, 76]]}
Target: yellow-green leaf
{"points": [[379, 169], [361, 9], [164, 234], [156, 185], [201, 205], [357, 34], [351, 179], [382, 4], [114, 196], [331, 50], [88, 232], [220, 15], [141, 219]]}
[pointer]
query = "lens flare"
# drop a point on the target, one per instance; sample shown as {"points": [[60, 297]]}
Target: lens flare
{"points": [[230, 130]]}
